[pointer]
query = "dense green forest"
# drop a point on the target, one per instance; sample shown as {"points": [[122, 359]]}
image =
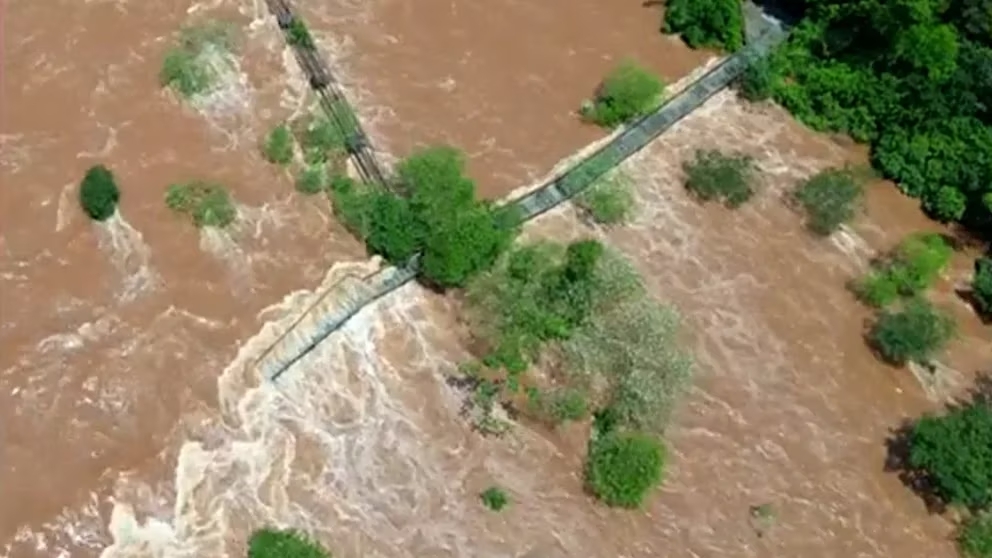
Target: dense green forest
{"points": [[912, 78]]}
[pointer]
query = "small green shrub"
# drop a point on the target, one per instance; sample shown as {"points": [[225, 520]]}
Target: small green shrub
{"points": [[609, 201], [278, 147], [914, 334], [626, 94], [757, 83], [98, 193], [312, 179], [830, 199], [567, 405], [975, 538], [946, 205], [322, 139], [912, 268], [954, 452], [706, 23], [981, 286], [715, 176], [622, 468], [299, 36], [494, 498], [273, 543], [209, 205], [184, 68], [352, 203]]}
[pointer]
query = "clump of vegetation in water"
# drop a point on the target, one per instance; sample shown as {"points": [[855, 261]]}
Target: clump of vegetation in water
{"points": [[981, 286], [915, 333], [975, 537], [324, 139], [98, 193], [609, 201], [953, 453], [757, 82], [495, 498], [830, 198], [208, 204], [279, 145], [712, 175], [909, 271], [186, 68], [623, 467], [275, 543], [312, 179], [456, 234], [626, 94], [298, 35]]}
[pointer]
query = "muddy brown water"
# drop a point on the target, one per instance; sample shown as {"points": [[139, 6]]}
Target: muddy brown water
{"points": [[132, 416]]}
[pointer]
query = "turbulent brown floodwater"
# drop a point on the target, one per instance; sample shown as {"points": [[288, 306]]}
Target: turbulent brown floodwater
{"points": [[133, 419]]}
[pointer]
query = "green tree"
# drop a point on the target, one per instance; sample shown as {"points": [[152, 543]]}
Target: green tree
{"points": [[394, 231], [715, 176], [208, 204], [628, 92], [757, 83], [975, 537], [622, 468], [275, 543], [915, 333], [495, 498], [98, 193], [981, 285], [954, 451], [831, 199], [278, 147], [706, 23]]}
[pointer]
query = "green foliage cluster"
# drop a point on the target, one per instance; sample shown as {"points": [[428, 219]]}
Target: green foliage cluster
{"points": [[954, 452], [185, 68], [623, 467], [909, 271], [609, 201], [914, 333], [298, 35], [457, 234], [981, 286], [712, 175], [312, 179], [275, 543], [757, 82], [98, 193], [627, 93], [495, 498], [912, 78], [830, 199], [278, 148], [706, 23], [208, 204], [975, 538]]}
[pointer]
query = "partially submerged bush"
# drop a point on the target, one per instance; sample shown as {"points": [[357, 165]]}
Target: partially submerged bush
{"points": [[186, 67], [298, 35], [626, 94], [757, 83], [706, 23], [98, 193], [912, 268], [622, 468], [954, 452], [278, 147], [915, 333], [312, 179], [609, 201], [981, 286], [830, 199], [715, 176], [275, 543], [208, 204], [975, 538], [494, 498]]}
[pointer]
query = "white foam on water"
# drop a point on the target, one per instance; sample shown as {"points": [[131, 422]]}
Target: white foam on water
{"points": [[130, 256]]}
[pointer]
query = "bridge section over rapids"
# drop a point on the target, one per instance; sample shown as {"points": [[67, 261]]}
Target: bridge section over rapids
{"points": [[338, 303]]}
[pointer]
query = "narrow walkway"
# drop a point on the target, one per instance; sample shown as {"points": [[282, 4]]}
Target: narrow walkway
{"points": [[342, 301]]}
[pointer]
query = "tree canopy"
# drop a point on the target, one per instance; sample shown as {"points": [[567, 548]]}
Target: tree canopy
{"points": [[911, 77]]}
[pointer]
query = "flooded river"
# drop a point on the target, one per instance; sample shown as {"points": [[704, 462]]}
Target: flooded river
{"points": [[133, 420]]}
